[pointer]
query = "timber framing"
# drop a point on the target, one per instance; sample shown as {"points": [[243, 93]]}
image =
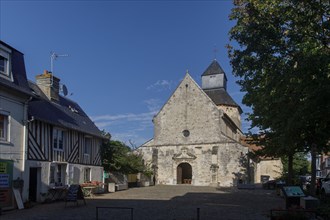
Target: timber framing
{"points": [[40, 145]]}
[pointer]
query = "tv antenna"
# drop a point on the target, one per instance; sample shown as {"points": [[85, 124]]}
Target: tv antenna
{"points": [[54, 56]]}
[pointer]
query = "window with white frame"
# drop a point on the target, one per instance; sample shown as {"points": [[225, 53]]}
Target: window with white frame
{"points": [[5, 70], [58, 139], [57, 174], [4, 127], [87, 174]]}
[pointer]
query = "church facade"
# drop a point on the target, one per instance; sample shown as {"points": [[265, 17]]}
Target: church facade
{"points": [[197, 135]]}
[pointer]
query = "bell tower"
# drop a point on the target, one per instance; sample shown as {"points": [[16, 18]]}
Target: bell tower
{"points": [[214, 77], [214, 84]]}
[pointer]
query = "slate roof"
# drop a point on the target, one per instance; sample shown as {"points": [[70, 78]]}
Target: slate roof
{"points": [[20, 82], [214, 68], [221, 97], [64, 113]]}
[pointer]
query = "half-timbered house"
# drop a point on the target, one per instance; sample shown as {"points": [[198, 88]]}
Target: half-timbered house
{"points": [[63, 143]]}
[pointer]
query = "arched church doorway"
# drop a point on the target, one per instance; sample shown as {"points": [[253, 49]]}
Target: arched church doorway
{"points": [[184, 173]]}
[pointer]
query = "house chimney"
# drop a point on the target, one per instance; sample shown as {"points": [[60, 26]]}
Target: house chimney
{"points": [[49, 84]]}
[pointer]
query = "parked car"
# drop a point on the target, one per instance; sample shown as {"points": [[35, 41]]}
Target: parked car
{"points": [[325, 188]]}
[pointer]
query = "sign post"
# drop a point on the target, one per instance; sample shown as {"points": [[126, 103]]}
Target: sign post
{"points": [[74, 194], [292, 195]]}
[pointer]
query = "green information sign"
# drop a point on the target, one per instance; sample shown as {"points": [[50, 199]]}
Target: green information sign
{"points": [[293, 191], [6, 178], [3, 167]]}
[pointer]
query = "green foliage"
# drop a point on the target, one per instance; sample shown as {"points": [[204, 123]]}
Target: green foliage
{"points": [[301, 165], [106, 135], [116, 156], [282, 56]]}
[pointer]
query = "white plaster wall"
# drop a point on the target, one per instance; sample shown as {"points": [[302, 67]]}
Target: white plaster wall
{"points": [[96, 173], [213, 81], [43, 178], [13, 150], [43, 182]]}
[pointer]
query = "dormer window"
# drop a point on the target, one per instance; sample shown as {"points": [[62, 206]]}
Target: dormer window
{"points": [[5, 60]]}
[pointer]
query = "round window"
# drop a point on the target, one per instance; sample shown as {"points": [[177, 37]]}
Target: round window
{"points": [[186, 133]]}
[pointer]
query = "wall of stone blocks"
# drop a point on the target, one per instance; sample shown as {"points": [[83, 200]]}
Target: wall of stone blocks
{"points": [[227, 162]]}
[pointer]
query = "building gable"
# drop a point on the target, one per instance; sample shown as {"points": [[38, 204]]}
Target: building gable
{"points": [[188, 117]]}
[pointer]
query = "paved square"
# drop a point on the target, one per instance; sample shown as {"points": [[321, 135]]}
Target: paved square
{"points": [[178, 202]]}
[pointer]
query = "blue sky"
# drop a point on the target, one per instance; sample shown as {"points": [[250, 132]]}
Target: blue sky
{"points": [[125, 57]]}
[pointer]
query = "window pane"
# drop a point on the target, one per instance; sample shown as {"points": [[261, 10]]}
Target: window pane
{"points": [[60, 139], [3, 127], [3, 65], [87, 174], [88, 146], [55, 138]]}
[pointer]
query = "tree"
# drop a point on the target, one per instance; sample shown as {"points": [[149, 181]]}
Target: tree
{"points": [[116, 156], [282, 56], [301, 165]]}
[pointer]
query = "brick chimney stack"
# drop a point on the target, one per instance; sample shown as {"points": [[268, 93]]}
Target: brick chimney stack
{"points": [[49, 84]]}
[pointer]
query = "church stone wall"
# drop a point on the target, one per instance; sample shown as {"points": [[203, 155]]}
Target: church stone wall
{"points": [[213, 155], [189, 108], [218, 168], [233, 113]]}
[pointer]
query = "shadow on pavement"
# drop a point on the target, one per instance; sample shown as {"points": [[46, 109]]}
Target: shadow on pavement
{"points": [[226, 203]]}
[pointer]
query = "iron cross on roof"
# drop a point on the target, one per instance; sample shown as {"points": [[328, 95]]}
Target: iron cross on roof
{"points": [[215, 51]]}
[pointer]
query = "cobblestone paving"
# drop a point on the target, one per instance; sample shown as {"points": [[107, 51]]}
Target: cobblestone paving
{"points": [[161, 203]]}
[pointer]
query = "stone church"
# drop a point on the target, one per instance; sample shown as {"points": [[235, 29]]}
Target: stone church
{"points": [[197, 135]]}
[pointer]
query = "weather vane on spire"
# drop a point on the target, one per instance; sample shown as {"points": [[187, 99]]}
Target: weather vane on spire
{"points": [[215, 51]]}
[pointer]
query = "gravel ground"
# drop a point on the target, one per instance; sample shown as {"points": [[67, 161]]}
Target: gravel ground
{"points": [[161, 202]]}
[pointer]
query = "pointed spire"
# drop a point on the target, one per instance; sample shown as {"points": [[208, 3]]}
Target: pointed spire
{"points": [[213, 68]]}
